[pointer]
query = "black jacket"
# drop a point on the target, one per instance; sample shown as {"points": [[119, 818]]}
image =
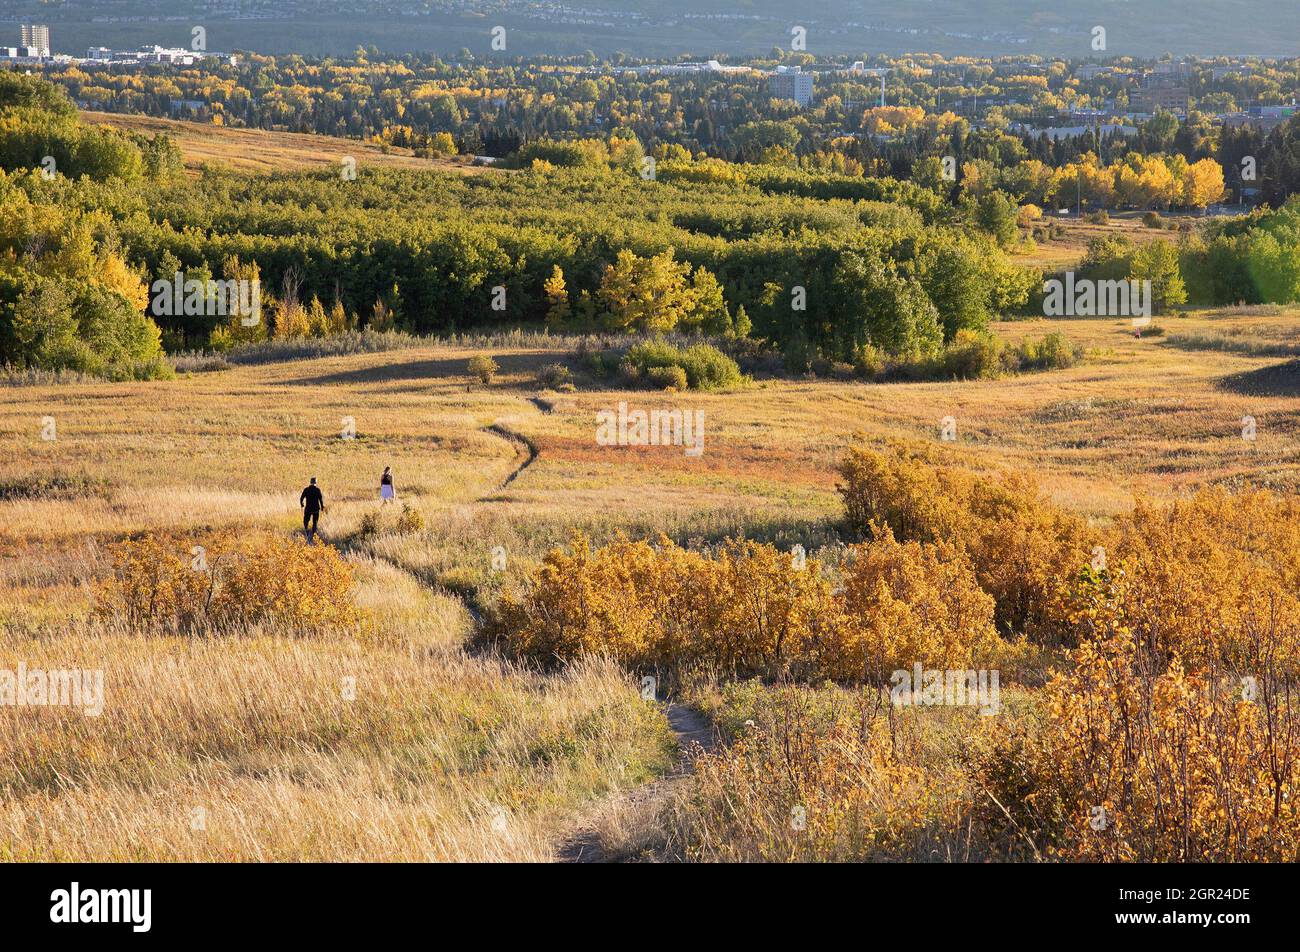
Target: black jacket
{"points": [[312, 499]]}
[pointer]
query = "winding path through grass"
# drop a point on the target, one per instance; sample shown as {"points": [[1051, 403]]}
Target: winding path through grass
{"points": [[637, 806], [640, 806]]}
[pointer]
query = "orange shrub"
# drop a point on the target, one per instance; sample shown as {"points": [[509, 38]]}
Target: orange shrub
{"points": [[156, 584], [751, 610], [166, 583], [1024, 550], [900, 489], [663, 606], [1203, 577], [904, 603], [281, 580], [1199, 576], [1133, 765]]}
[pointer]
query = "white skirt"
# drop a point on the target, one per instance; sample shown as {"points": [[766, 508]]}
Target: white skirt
{"points": [[386, 491]]}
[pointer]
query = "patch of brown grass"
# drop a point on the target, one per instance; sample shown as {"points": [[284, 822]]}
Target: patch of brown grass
{"points": [[259, 150]]}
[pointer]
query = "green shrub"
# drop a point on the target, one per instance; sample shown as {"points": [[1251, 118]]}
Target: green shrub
{"points": [[554, 376], [970, 356], [668, 378], [483, 367], [653, 353], [580, 153], [601, 364], [706, 367], [1053, 352], [66, 323], [869, 362]]}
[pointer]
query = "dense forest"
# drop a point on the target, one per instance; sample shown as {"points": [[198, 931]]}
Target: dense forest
{"points": [[577, 235], [882, 122], [809, 262]]}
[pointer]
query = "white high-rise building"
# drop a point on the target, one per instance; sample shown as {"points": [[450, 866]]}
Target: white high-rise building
{"points": [[36, 36], [791, 83]]}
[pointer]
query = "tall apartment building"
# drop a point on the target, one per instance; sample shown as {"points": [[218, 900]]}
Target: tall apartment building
{"points": [[790, 82], [36, 36], [1164, 88], [1159, 98]]}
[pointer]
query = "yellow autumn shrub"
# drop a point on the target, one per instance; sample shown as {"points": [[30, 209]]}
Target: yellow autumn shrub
{"points": [[752, 609], [1204, 577], [288, 582], [1024, 551], [663, 606], [224, 582], [1151, 765], [1201, 574], [1174, 735], [156, 583], [767, 610], [903, 603]]}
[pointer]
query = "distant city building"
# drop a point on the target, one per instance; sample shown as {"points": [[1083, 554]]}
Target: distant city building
{"points": [[1151, 101], [1222, 72], [706, 66], [1164, 89], [159, 54], [1161, 98], [1091, 71], [1273, 112], [1261, 118], [1174, 73], [1056, 133], [35, 48], [196, 108], [36, 36], [859, 68], [22, 54], [790, 82], [173, 56]]}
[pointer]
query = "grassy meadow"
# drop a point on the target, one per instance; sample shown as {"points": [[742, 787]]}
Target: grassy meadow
{"points": [[249, 747], [259, 150]]}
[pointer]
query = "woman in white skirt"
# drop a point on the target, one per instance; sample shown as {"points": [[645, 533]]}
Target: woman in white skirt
{"points": [[386, 491]]}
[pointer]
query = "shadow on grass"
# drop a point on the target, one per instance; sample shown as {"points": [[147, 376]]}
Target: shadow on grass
{"points": [[1278, 380], [1225, 345], [428, 370]]}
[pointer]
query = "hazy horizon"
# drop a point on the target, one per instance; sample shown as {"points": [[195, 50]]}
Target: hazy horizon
{"points": [[706, 28]]}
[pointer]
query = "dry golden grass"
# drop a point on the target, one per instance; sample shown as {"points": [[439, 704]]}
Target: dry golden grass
{"points": [[258, 150], [1072, 245], [442, 755], [1138, 417], [253, 728], [436, 756]]}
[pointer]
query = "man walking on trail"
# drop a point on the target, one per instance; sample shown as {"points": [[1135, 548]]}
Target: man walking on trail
{"points": [[313, 504]]}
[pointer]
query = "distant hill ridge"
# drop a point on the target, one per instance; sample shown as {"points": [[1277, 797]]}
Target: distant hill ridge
{"points": [[697, 27]]}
